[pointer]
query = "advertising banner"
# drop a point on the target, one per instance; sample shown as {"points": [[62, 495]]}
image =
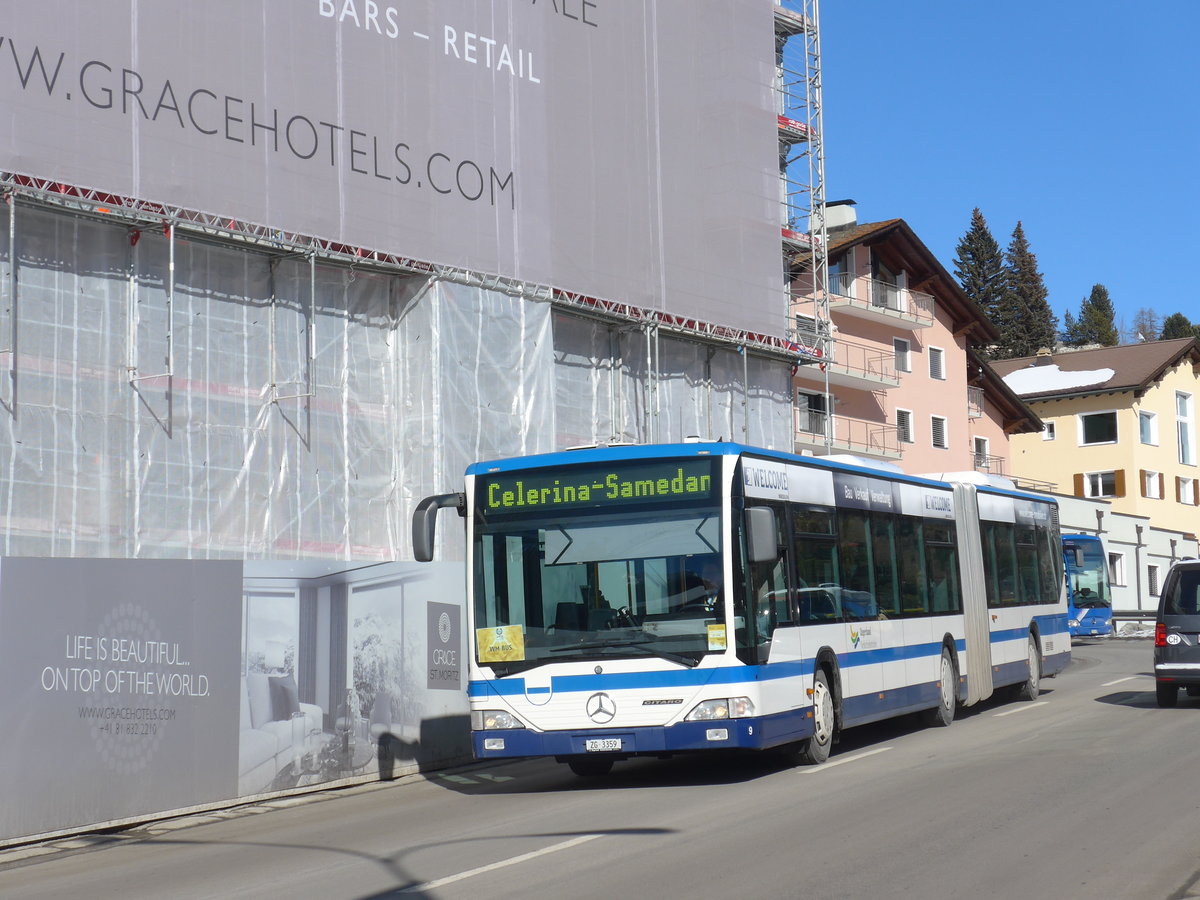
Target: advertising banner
{"points": [[119, 688], [135, 687], [626, 149]]}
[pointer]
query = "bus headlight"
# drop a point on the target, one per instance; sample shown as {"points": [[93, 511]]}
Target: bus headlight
{"points": [[494, 720], [727, 708]]}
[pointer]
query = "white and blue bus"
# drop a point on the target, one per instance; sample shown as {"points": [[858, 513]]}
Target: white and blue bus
{"points": [[1089, 595], [647, 600]]}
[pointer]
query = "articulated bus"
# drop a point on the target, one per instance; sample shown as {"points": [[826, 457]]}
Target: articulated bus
{"points": [[649, 600], [1089, 597]]}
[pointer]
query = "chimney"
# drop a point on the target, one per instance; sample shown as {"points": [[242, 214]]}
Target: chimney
{"points": [[1043, 358], [840, 214]]}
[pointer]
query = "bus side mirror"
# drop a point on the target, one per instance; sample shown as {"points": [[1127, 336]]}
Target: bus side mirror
{"points": [[1077, 556], [425, 519], [762, 543]]}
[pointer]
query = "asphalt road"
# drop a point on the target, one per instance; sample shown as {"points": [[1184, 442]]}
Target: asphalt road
{"points": [[1085, 792]]}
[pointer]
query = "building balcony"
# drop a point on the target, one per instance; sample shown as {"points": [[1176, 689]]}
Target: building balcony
{"points": [[868, 368], [992, 465], [877, 301], [861, 437], [974, 402]]}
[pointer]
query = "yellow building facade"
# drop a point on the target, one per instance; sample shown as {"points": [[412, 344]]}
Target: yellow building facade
{"points": [[1120, 423]]}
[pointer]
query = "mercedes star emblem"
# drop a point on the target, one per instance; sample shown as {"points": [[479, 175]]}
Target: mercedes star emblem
{"points": [[600, 708]]}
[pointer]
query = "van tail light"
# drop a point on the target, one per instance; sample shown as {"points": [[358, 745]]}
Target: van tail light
{"points": [[1160, 634]]}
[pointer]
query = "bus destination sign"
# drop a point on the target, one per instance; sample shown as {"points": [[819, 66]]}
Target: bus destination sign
{"points": [[595, 486]]}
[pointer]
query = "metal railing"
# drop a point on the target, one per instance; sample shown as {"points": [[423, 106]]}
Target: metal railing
{"points": [[993, 465], [974, 402], [850, 435], [863, 361], [867, 293]]}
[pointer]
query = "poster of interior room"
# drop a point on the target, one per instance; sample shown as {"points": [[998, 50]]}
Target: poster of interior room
{"points": [[333, 682]]}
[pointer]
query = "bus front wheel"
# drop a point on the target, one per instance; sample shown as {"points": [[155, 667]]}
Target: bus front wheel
{"points": [[815, 750]]}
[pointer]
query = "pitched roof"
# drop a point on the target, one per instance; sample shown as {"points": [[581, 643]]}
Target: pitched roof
{"points": [[901, 248], [1015, 416], [1103, 370]]}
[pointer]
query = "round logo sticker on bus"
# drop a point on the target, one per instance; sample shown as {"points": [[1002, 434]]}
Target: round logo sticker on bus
{"points": [[1173, 639]]}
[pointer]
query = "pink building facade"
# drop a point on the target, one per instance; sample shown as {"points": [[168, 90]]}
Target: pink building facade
{"points": [[905, 384]]}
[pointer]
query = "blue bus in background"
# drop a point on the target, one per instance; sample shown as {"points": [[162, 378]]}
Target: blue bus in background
{"points": [[1089, 596]]}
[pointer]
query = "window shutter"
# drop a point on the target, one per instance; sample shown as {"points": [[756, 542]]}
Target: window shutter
{"points": [[1142, 473], [1178, 489], [1162, 486], [1196, 491], [1079, 484], [1119, 483]]}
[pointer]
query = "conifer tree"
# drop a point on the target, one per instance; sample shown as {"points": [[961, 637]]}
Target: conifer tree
{"points": [[1095, 324], [1024, 318], [1177, 325], [979, 265]]}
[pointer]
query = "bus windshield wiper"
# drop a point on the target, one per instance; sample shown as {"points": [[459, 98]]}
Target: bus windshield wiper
{"points": [[641, 645]]}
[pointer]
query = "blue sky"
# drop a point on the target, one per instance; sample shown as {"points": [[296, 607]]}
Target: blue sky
{"points": [[1080, 118]]}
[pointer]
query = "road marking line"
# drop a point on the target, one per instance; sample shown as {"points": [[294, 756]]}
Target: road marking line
{"points": [[1120, 680], [1021, 708], [841, 760], [524, 857]]}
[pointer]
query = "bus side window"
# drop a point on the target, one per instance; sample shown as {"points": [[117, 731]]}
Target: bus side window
{"points": [[912, 570], [768, 587]]}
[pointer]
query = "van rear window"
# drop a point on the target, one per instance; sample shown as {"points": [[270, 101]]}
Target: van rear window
{"points": [[1183, 599]]}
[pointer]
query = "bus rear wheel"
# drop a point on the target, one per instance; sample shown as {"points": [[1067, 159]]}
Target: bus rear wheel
{"points": [[1033, 684], [815, 750], [943, 714], [586, 766]]}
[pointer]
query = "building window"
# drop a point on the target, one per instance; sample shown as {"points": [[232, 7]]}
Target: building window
{"points": [[1098, 428], [806, 330], [1185, 428], [810, 412], [1116, 569], [1152, 484], [1187, 491], [900, 347], [1047, 431], [938, 432], [1148, 428], [1152, 580], [1100, 484], [937, 363], [841, 276], [983, 459], [904, 426]]}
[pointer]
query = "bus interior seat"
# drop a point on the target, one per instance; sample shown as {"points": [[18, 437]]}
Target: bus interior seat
{"points": [[570, 616]]}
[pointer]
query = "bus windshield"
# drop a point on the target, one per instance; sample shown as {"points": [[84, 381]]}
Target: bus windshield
{"points": [[1089, 582], [606, 577]]}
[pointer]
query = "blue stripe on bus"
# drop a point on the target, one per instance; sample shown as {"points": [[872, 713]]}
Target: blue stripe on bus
{"points": [[1047, 625], [674, 678]]}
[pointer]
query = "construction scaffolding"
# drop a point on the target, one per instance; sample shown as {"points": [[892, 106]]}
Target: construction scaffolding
{"points": [[802, 173], [180, 386]]}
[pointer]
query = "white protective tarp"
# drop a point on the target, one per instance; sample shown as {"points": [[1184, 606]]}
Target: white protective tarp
{"points": [[264, 406]]}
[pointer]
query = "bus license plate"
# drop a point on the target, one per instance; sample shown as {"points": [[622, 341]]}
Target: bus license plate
{"points": [[602, 745]]}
